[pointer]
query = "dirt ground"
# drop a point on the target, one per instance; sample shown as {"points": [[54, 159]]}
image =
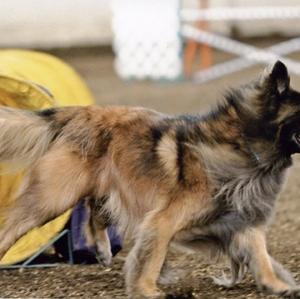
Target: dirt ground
{"points": [[96, 67]]}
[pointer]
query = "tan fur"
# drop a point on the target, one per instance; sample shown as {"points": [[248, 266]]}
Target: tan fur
{"points": [[167, 153], [47, 181], [285, 112], [26, 137]]}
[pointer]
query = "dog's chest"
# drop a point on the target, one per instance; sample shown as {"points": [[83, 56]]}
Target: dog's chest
{"points": [[240, 203], [249, 197]]}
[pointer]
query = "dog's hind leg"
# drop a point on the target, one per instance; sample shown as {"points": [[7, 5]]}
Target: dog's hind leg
{"points": [[54, 185], [96, 229]]}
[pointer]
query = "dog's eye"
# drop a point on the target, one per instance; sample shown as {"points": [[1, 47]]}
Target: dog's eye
{"points": [[296, 137]]}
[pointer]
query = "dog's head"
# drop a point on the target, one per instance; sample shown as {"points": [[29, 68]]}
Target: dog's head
{"points": [[275, 108]]}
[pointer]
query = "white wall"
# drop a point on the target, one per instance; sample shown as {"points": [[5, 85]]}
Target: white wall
{"points": [[54, 23], [47, 23]]}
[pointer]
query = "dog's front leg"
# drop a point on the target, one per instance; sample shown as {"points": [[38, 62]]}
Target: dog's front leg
{"points": [[237, 273], [282, 273], [269, 274], [144, 262]]}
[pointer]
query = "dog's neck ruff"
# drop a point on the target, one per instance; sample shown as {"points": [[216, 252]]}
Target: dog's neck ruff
{"points": [[252, 152]]}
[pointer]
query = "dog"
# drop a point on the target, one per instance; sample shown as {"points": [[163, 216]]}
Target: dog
{"points": [[198, 181], [95, 229]]}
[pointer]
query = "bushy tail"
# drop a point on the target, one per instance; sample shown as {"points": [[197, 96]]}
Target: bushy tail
{"points": [[24, 137]]}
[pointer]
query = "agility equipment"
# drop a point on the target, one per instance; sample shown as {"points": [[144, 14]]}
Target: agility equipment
{"points": [[33, 80], [249, 55]]}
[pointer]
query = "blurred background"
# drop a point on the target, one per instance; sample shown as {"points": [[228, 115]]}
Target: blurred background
{"points": [[150, 53]]}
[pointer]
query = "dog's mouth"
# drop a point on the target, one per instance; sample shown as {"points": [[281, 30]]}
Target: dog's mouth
{"points": [[296, 137]]}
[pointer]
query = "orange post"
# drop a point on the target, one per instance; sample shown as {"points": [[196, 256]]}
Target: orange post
{"points": [[205, 50], [192, 46]]}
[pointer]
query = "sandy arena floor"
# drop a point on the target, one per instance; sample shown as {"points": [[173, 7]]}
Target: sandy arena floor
{"points": [[96, 66]]}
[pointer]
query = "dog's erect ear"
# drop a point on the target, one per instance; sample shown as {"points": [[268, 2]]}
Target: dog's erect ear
{"points": [[280, 77], [277, 77]]}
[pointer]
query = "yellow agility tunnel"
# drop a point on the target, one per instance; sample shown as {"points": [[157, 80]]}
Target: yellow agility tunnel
{"points": [[34, 80]]}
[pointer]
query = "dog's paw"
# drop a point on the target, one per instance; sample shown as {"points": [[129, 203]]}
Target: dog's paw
{"points": [[145, 290], [104, 259], [104, 255], [155, 294], [293, 293], [226, 281], [171, 275], [288, 292], [223, 281]]}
